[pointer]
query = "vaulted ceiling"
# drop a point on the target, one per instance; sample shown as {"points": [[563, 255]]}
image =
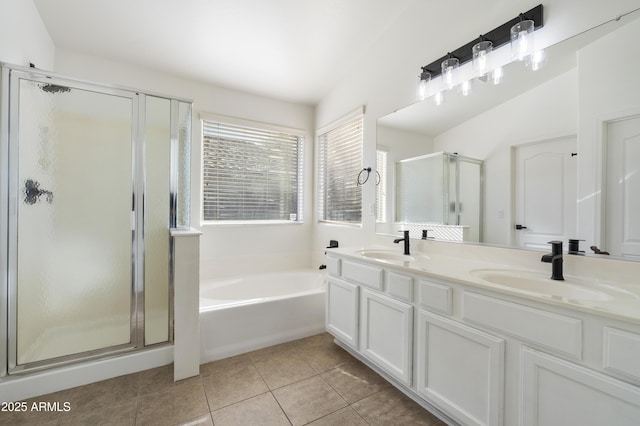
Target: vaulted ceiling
{"points": [[295, 50]]}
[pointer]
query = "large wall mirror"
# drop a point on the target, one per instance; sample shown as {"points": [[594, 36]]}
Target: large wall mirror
{"points": [[560, 146]]}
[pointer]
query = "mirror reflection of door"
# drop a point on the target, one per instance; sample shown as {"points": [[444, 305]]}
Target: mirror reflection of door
{"points": [[545, 192], [622, 228]]}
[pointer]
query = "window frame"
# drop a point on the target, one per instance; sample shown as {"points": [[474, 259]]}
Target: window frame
{"points": [[258, 125], [358, 113]]}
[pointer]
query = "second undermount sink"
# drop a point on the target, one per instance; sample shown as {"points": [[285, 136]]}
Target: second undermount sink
{"points": [[388, 255], [570, 288]]}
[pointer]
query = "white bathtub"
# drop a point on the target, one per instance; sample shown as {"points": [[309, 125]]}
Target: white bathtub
{"points": [[249, 312]]}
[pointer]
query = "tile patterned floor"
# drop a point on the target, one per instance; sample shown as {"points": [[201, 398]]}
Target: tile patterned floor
{"points": [[305, 382]]}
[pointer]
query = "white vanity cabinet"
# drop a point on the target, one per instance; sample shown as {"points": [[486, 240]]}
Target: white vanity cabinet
{"points": [[386, 333], [460, 369], [342, 311], [478, 356], [559, 392]]}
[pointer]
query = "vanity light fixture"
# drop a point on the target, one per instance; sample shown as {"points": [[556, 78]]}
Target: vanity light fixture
{"points": [[498, 37]]}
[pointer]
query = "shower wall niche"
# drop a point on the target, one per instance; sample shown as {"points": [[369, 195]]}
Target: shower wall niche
{"points": [[93, 178], [442, 193]]}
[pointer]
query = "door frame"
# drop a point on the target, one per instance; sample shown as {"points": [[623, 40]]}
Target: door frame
{"points": [[600, 166], [512, 173]]}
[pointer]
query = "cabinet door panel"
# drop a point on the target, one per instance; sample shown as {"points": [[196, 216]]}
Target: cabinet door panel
{"points": [[460, 369], [386, 334], [342, 311], [557, 392]]}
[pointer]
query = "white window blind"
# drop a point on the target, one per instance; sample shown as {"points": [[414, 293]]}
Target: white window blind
{"points": [[381, 185], [251, 173], [340, 161]]}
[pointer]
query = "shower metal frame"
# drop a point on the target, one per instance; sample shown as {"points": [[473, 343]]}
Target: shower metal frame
{"points": [[9, 115]]}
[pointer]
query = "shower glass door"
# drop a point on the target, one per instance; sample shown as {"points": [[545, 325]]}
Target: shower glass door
{"points": [[72, 219]]}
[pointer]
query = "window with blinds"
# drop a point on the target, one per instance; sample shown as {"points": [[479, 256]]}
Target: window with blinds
{"points": [[340, 161], [251, 172], [381, 185]]}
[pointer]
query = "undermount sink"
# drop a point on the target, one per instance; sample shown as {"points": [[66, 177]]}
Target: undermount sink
{"points": [[389, 255], [570, 288]]}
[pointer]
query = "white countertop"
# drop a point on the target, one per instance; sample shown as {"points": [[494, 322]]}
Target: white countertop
{"points": [[619, 280]]}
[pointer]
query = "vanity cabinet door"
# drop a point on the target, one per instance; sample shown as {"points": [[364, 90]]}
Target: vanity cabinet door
{"points": [[460, 370], [558, 392], [342, 311], [386, 334]]}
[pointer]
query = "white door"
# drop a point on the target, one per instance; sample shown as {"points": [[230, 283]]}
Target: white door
{"points": [[622, 198], [545, 192], [342, 311]]}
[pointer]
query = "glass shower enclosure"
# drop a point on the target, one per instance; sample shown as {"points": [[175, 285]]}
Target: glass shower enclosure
{"points": [[93, 177], [440, 189]]}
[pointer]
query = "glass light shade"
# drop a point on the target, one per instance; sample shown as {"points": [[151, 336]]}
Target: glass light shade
{"points": [[480, 60], [448, 70], [536, 60], [425, 78], [496, 76], [438, 98], [465, 88], [522, 40]]}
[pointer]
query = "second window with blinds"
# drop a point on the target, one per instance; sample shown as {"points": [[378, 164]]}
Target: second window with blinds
{"points": [[252, 172]]}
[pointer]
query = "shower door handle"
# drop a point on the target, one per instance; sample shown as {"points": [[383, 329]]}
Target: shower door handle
{"points": [[32, 192]]}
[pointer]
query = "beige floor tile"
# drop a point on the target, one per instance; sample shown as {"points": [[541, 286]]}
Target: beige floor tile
{"points": [[108, 415], [260, 410], [282, 368], [392, 407], [353, 381], [308, 400], [271, 351], [158, 379], [233, 386], [324, 357], [205, 420], [346, 416], [112, 392], [225, 365], [179, 404]]}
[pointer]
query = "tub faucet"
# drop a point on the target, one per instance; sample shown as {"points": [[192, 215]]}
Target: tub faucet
{"points": [[555, 259], [406, 242]]}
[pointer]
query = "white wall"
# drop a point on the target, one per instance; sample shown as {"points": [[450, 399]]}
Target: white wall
{"points": [[23, 36], [225, 250], [386, 75]]}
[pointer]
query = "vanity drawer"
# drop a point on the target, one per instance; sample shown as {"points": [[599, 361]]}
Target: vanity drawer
{"points": [[621, 352], [400, 286], [548, 329], [435, 297], [370, 276], [333, 266]]}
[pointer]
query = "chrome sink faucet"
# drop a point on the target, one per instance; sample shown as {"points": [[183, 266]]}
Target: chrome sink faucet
{"points": [[406, 242], [555, 259]]}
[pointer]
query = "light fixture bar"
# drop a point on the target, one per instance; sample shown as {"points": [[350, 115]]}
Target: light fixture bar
{"points": [[498, 36]]}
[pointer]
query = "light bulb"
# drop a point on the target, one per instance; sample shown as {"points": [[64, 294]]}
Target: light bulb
{"points": [[495, 77], [465, 88], [438, 98], [536, 60]]}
